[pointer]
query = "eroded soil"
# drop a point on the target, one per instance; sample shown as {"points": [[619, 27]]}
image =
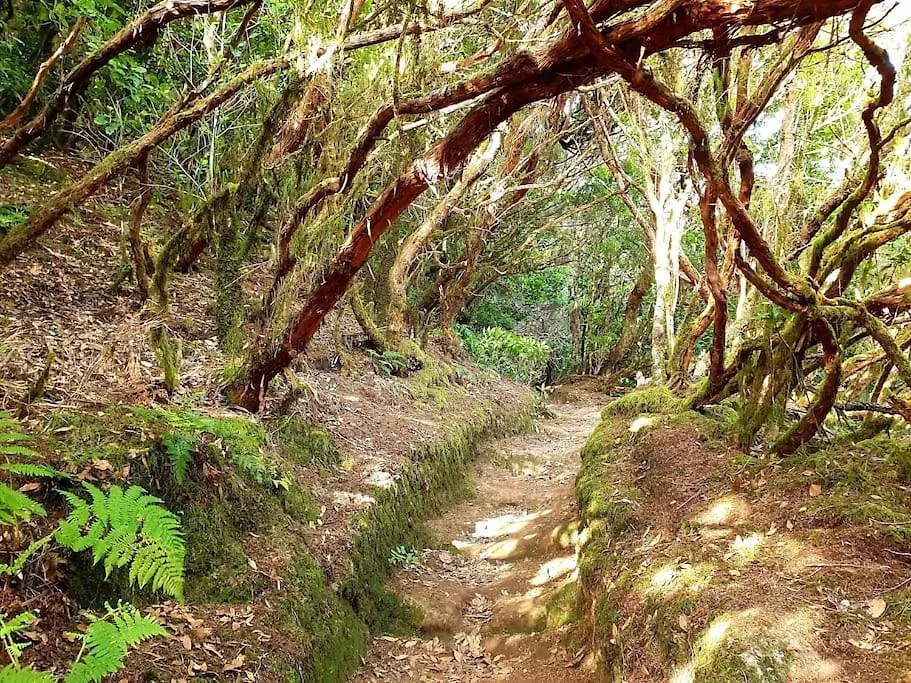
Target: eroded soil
{"points": [[487, 602]]}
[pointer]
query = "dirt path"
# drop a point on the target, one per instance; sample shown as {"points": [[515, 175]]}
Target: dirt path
{"points": [[495, 609]]}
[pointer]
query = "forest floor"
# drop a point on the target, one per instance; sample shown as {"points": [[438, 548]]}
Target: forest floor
{"points": [[726, 572], [488, 599]]}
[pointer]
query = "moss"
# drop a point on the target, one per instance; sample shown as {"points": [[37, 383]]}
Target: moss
{"points": [[561, 608], [674, 642], [436, 477], [304, 444], [757, 663], [216, 564], [656, 399], [331, 635], [168, 353], [716, 423], [434, 380], [600, 491]]}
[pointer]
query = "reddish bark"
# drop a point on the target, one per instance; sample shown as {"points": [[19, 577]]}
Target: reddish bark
{"points": [[628, 331], [441, 160], [525, 78]]}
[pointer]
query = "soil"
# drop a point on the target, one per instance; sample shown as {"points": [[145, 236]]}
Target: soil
{"points": [[728, 565], [505, 556]]}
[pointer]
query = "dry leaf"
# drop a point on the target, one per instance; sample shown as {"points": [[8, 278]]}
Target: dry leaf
{"points": [[876, 607], [815, 490], [683, 622], [235, 663]]}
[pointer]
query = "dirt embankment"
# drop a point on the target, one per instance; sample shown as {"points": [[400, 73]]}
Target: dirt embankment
{"points": [[705, 564]]}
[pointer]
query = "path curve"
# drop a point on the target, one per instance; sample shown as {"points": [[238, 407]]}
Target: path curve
{"points": [[493, 608]]}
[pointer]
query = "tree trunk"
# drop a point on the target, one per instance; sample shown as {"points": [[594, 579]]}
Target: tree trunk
{"points": [[143, 30], [138, 250], [442, 159], [420, 238], [628, 331], [23, 236]]}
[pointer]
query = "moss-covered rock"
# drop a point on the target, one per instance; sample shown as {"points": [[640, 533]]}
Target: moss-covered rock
{"points": [[655, 399]]}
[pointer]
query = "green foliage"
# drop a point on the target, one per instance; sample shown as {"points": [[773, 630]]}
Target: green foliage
{"points": [[13, 674], [8, 631], [388, 362], [180, 451], [27, 469], [19, 563], [15, 506], [506, 352], [107, 642], [402, 555], [128, 528], [104, 645]]}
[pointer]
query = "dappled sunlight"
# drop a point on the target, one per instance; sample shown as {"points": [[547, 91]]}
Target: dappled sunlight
{"points": [[764, 642], [674, 577], [498, 550], [506, 525], [727, 510], [553, 569], [640, 423], [569, 535], [744, 549], [797, 557]]}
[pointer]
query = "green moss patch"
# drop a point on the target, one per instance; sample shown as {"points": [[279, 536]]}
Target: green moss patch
{"points": [[657, 399]]}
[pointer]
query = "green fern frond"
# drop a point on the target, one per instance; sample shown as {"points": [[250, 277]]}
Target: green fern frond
{"points": [[17, 507], [108, 640], [14, 674], [16, 567], [26, 469], [8, 629], [18, 449], [180, 451], [128, 528]]}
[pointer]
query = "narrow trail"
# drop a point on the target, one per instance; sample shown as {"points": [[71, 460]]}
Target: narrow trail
{"points": [[494, 610]]}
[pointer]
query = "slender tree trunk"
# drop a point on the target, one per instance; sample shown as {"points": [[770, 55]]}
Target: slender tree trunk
{"points": [[630, 315], [420, 238], [23, 236], [138, 250]]}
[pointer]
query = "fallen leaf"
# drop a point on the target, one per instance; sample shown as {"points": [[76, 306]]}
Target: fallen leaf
{"points": [[876, 607], [815, 490], [235, 663], [683, 622]]}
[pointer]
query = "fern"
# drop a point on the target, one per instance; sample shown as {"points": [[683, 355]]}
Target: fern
{"points": [[17, 507], [180, 451], [11, 441], [107, 642], [27, 469], [14, 674], [127, 528], [10, 628], [16, 567]]}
